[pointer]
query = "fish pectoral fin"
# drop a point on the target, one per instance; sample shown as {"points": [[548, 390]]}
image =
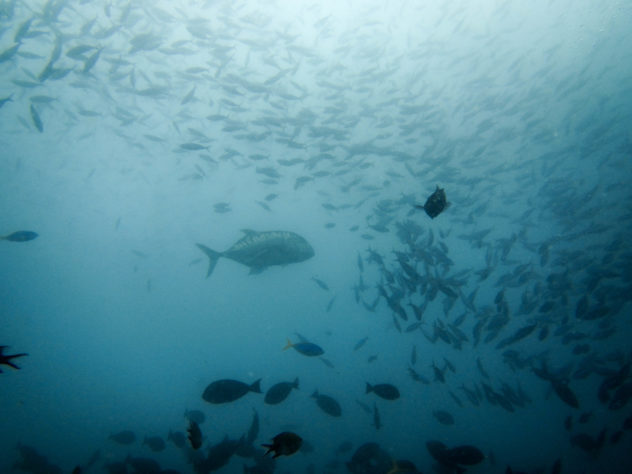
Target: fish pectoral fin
{"points": [[256, 270]]}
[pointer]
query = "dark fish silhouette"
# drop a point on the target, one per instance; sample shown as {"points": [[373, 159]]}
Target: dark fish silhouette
{"points": [[227, 390], [5, 359], [20, 236], [279, 392], [383, 390], [284, 444], [435, 204], [327, 404], [306, 348], [195, 435], [260, 250], [443, 417]]}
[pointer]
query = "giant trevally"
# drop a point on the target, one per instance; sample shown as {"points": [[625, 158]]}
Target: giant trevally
{"points": [[260, 250]]}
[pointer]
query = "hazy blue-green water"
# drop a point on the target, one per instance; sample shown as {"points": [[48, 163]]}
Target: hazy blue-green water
{"points": [[130, 131]]}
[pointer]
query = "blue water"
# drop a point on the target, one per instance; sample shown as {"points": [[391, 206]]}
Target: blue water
{"points": [[521, 112]]}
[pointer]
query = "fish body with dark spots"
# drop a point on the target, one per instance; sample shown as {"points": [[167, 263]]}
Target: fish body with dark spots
{"points": [[260, 250]]}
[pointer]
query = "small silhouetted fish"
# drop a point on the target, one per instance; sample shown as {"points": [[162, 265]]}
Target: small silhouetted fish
{"points": [[177, 438], [435, 204], [330, 304], [284, 444], [443, 417], [193, 146], [155, 443], [565, 393], [321, 283], [360, 343], [123, 437], [195, 435], [306, 348], [327, 404], [20, 236], [279, 392], [383, 390], [195, 415], [227, 390], [37, 121]]}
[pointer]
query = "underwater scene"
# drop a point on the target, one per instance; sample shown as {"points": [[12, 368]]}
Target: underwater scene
{"points": [[315, 236]]}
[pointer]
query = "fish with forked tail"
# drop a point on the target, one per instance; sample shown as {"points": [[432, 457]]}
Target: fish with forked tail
{"points": [[260, 250]]}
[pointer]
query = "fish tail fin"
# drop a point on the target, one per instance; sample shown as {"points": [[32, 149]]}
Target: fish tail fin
{"points": [[369, 388], [255, 386], [268, 447], [288, 345], [7, 360], [295, 384], [213, 257]]}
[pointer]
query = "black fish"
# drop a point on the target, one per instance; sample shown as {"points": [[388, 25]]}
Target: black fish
{"points": [[435, 204], [195, 435], [565, 393], [20, 236], [284, 444], [383, 390], [227, 390], [279, 392], [259, 250], [443, 417], [327, 404], [6, 359]]}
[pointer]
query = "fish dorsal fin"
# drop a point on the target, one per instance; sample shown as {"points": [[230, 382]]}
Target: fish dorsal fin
{"points": [[249, 232]]}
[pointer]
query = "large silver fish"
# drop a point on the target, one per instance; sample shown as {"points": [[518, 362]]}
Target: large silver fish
{"points": [[260, 250]]}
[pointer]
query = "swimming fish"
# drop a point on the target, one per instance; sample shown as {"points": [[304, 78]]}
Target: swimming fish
{"points": [[284, 444], [306, 348], [435, 204], [260, 250], [20, 236]]}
